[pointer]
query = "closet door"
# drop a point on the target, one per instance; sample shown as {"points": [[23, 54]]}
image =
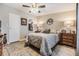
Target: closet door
{"points": [[14, 27]]}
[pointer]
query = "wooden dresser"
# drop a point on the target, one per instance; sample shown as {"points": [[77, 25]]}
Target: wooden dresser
{"points": [[1, 45], [68, 39]]}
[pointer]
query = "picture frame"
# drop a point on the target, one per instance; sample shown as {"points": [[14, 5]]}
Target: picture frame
{"points": [[23, 21], [30, 27]]}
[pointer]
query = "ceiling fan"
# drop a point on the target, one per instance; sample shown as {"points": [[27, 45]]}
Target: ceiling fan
{"points": [[34, 6]]}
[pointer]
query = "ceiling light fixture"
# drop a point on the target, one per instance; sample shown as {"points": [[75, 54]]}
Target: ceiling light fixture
{"points": [[34, 8]]}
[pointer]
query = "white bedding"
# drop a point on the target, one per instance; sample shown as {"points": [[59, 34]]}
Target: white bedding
{"points": [[48, 41]]}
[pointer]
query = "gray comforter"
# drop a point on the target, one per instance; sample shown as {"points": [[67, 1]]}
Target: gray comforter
{"points": [[43, 41]]}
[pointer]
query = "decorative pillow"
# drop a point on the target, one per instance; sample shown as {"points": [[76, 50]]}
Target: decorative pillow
{"points": [[46, 31]]}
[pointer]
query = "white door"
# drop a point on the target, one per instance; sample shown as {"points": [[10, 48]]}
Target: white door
{"points": [[14, 27]]}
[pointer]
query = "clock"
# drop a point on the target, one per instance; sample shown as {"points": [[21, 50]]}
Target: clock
{"points": [[50, 21]]}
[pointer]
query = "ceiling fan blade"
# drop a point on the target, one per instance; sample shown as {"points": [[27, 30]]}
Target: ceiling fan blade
{"points": [[41, 6], [25, 6]]}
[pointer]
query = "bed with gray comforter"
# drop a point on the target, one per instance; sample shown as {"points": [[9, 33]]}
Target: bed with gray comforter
{"points": [[43, 41]]}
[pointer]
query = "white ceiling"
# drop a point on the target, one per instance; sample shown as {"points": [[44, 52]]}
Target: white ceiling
{"points": [[50, 7]]}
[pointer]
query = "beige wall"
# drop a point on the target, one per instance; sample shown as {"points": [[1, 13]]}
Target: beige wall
{"points": [[59, 19]]}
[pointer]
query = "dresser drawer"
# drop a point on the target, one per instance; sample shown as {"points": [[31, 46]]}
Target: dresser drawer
{"points": [[0, 47], [0, 52], [68, 40], [67, 37], [66, 43]]}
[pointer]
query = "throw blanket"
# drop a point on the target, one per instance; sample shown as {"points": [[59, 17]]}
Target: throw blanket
{"points": [[43, 41]]}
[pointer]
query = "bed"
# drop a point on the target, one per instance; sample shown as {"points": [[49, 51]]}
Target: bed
{"points": [[43, 41]]}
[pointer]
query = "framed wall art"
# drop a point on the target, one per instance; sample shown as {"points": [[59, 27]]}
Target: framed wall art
{"points": [[50, 21], [23, 21], [30, 26]]}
